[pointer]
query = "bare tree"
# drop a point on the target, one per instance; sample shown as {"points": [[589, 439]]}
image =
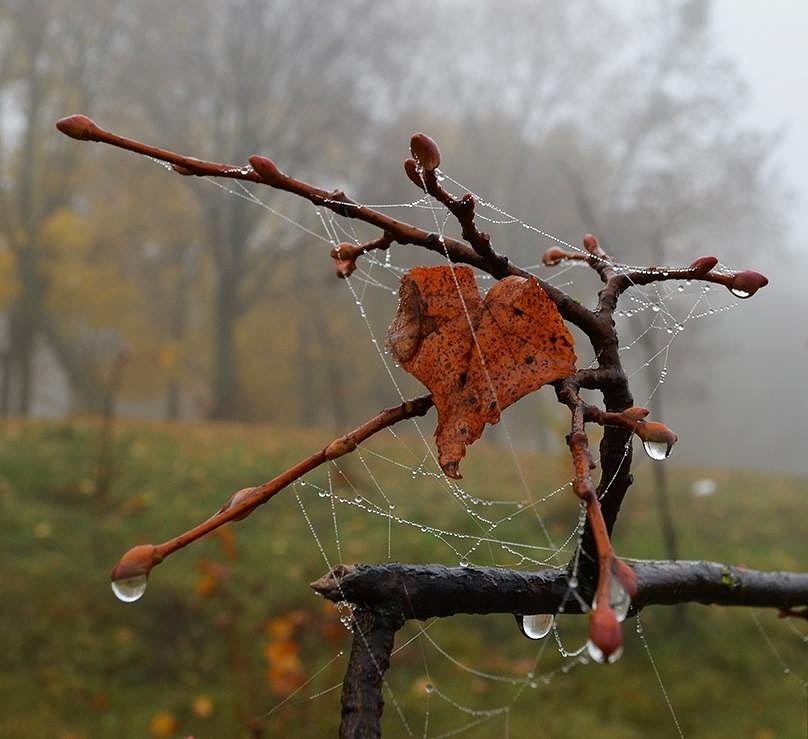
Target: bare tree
{"points": [[385, 597]]}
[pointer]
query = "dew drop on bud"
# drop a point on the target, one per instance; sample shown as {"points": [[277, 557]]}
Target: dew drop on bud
{"points": [[597, 655], [536, 625], [657, 450], [619, 599], [739, 293], [129, 589]]}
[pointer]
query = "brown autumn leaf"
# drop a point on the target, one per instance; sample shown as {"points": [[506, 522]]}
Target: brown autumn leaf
{"points": [[519, 343]]}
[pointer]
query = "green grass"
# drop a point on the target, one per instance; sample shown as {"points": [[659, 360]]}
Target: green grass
{"points": [[77, 664]]}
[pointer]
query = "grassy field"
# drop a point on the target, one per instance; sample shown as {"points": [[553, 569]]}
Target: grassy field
{"points": [[229, 628]]}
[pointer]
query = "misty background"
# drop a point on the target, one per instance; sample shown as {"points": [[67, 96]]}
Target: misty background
{"points": [[672, 129]]}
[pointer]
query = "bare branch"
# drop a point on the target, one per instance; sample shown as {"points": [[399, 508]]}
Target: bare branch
{"points": [[429, 591], [141, 559]]}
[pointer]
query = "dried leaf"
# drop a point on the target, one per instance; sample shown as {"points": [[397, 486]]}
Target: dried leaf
{"points": [[519, 343]]}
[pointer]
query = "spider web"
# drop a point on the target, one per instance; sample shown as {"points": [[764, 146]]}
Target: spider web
{"points": [[392, 493]]}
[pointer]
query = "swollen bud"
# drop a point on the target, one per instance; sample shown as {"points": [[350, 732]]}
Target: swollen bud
{"points": [[657, 438], [746, 284], [591, 243], [344, 262], [130, 576], [265, 167], [635, 414], [237, 499], [425, 151], [703, 265], [77, 127], [553, 256], [411, 170], [604, 635]]}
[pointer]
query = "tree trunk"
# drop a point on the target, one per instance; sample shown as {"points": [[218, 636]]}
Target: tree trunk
{"points": [[225, 380]]}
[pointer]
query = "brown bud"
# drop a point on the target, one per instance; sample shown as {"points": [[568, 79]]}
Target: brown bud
{"points": [[77, 127], [553, 256], [746, 284], [657, 438], [344, 260], [703, 265], [626, 577], [137, 561], [236, 500], [266, 168], [591, 243], [604, 631], [339, 447], [425, 151], [411, 170], [635, 413]]}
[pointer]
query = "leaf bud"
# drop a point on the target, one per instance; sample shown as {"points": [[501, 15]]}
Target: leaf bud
{"points": [[265, 167], [591, 243], [553, 256], [703, 265], [635, 414], [604, 630], [77, 127], [136, 562], [411, 170], [746, 284], [425, 151]]}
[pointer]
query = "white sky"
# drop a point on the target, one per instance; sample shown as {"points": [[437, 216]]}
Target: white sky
{"points": [[769, 41]]}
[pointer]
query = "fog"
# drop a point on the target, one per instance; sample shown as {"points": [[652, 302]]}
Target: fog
{"points": [[671, 129]]}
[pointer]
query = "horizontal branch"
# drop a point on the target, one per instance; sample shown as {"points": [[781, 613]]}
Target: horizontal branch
{"points": [[428, 591], [264, 171]]}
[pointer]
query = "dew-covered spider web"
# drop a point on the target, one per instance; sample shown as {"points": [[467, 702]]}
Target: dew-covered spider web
{"points": [[484, 676]]}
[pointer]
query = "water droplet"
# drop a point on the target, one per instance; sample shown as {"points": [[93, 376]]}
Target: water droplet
{"points": [[537, 625], [619, 599], [429, 688], [534, 684], [681, 288], [597, 655], [129, 589], [573, 582], [739, 293], [464, 563], [357, 499], [657, 450], [655, 308]]}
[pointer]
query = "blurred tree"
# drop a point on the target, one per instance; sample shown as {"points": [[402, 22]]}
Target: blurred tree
{"points": [[50, 60]]}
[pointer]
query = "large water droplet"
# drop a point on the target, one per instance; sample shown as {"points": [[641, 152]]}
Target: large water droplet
{"points": [[619, 599], [656, 449], [739, 293], [129, 589], [597, 655], [537, 625]]}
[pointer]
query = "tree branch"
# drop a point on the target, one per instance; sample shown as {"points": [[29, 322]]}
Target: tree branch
{"points": [[141, 559], [428, 591]]}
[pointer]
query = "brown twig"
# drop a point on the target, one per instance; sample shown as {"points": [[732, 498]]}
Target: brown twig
{"points": [[264, 171], [141, 559]]}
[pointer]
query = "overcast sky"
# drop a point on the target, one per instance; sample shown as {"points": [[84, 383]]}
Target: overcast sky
{"points": [[769, 41]]}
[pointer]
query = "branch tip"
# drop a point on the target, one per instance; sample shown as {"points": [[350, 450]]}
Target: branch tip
{"points": [[78, 127], [425, 151]]}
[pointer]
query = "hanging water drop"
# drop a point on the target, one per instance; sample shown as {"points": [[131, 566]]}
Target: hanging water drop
{"points": [[129, 589], [464, 563], [739, 293], [536, 625], [657, 450], [429, 688], [619, 599], [595, 653]]}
